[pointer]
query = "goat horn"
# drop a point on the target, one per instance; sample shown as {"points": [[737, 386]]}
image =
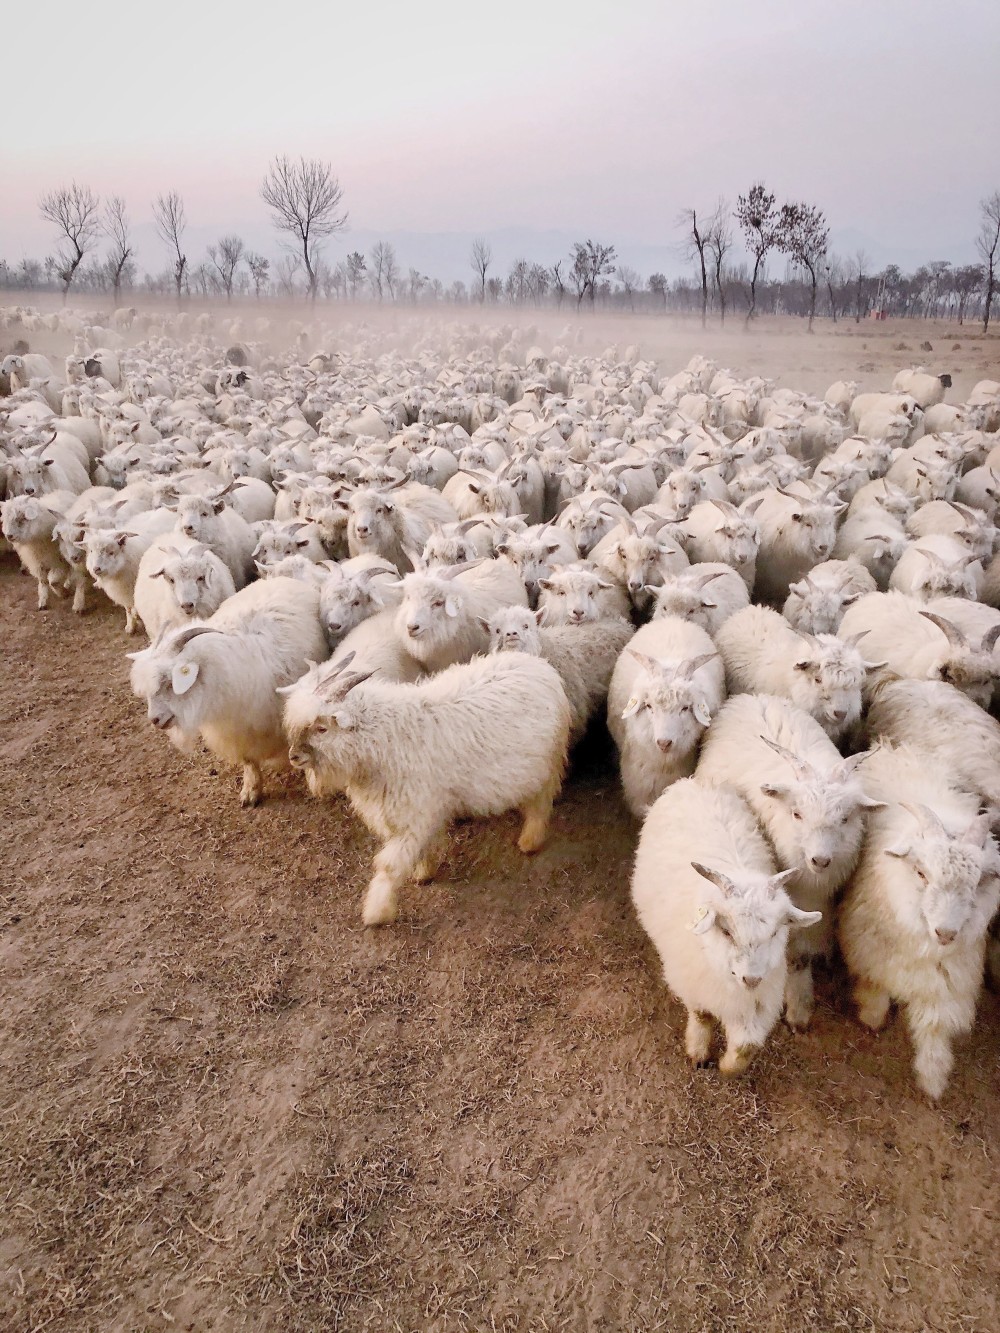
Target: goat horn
{"points": [[800, 767], [950, 631]]}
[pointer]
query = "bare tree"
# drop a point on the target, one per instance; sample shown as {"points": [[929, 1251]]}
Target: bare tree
{"points": [[416, 281], [968, 279], [494, 290], [168, 214], [832, 272], [480, 258], [226, 257], [390, 273], [75, 211], [558, 282], [804, 236], [203, 278], [286, 272], [517, 282], [988, 249], [356, 268], [538, 282], [720, 242], [260, 271], [592, 260], [859, 265], [757, 214], [696, 241], [631, 281], [383, 258], [116, 228], [305, 198], [659, 286]]}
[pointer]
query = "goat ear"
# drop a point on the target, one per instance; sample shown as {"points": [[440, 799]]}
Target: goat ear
{"points": [[451, 606], [705, 921], [773, 790], [901, 851], [630, 709], [183, 676], [702, 713], [540, 616], [337, 717]]}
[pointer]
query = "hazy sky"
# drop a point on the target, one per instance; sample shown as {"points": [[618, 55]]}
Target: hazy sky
{"points": [[577, 118]]}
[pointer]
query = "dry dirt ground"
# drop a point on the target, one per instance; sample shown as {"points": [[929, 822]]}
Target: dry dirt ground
{"points": [[225, 1105]]}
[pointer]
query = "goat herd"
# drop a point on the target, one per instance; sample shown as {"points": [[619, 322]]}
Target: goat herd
{"points": [[419, 574]]}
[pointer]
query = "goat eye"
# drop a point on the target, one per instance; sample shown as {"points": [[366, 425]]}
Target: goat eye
{"points": [[725, 930], [922, 877], [796, 815], [320, 730]]}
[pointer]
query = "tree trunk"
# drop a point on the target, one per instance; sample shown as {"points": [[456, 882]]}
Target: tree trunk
{"points": [[704, 290], [990, 283], [753, 290]]}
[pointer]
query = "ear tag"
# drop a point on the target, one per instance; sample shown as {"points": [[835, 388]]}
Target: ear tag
{"points": [[183, 677]]}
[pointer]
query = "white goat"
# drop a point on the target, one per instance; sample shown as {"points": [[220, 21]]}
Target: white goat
{"points": [[219, 680], [439, 619], [584, 655], [706, 594], [914, 918], [821, 674], [816, 604], [178, 581], [912, 643], [665, 689], [706, 892], [403, 754], [810, 803]]}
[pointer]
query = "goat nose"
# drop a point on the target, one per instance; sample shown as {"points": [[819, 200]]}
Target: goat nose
{"points": [[751, 983], [820, 862], [945, 936], [413, 630], [664, 745], [187, 607], [839, 714]]}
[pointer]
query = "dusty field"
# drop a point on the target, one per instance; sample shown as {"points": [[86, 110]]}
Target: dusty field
{"points": [[225, 1105]]}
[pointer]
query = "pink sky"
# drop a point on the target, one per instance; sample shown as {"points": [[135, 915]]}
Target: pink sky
{"points": [[588, 118]]}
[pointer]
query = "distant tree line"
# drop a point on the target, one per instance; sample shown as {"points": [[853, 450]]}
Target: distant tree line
{"points": [[94, 254]]}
